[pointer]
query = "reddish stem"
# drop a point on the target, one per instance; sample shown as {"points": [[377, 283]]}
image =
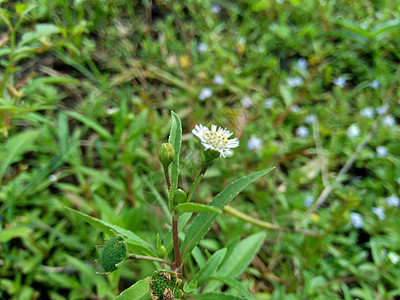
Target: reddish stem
{"points": [[175, 238]]}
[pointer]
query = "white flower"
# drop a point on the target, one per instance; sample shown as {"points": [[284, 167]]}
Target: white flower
{"points": [[112, 111], [382, 151], [393, 201], [388, 120], [295, 108], [302, 131], [205, 93], [272, 26], [202, 47], [254, 143], [357, 220], [216, 139], [393, 257], [353, 131], [218, 79], [381, 110], [380, 212], [302, 63], [375, 84], [52, 177], [269, 103], [340, 81], [295, 81], [216, 9], [367, 112], [311, 119], [246, 102], [309, 201]]}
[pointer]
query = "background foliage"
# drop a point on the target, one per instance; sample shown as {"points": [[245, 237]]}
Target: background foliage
{"points": [[85, 99]]}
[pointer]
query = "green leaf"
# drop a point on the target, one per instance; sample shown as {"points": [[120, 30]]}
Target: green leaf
{"points": [[233, 283], [215, 296], [47, 29], [18, 232], [138, 291], [134, 242], [92, 124], [242, 255], [15, 147], [175, 138], [194, 207], [206, 271], [193, 187], [202, 223]]}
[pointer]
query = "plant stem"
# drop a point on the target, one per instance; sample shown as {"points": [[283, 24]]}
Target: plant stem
{"points": [[242, 216], [142, 257], [128, 179], [166, 174], [175, 238]]}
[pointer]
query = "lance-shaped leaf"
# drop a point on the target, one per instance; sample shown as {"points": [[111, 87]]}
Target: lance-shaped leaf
{"points": [[135, 243], [195, 207], [175, 138], [138, 291], [202, 223]]}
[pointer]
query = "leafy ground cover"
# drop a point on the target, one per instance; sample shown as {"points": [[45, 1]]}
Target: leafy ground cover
{"points": [[310, 87]]}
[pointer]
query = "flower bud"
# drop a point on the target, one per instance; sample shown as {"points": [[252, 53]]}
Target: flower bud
{"points": [[166, 154], [179, 197], [210, 155], [165, 285], [113, 253]]}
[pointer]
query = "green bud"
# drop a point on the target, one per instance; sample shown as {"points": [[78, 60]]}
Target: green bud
{"points": [[179, 197], [165, 286], [113, 253], [166, 154], [210, 155], [162, 251]]}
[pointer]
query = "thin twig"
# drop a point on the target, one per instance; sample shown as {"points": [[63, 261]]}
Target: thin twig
{"points": [[266, 225], [150, 258]]}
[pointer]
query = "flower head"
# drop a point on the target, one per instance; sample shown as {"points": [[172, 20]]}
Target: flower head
{"points": [[246, 102], [218, 79], [367, 112], [309, 201], [216, 139], [216, 9], [382, 151], [393, 201], [302, 131], [340, 81], [205, 93], [254, 143], [389, 121], [375, 84], [380, 212], [353, 131], [357, 220], [295, 81], [311, 119], [302, 63], [393, 257], [202, 47], [269, 103], [381, 110]]}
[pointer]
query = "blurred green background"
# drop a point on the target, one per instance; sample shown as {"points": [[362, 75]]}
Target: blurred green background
{"points": [[85, 98]]}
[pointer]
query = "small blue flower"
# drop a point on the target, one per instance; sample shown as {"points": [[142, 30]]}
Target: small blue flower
{"points": [[340, 81], [357, 220], [311, 119], [218, 79], [295, 81], [246, 102], [309, 201], [216, 9], [295, 108], [380, 212], [202, 47], [353, 131], [52, 177], [388, 121], [302, 131], [375, 84], [205, 93], [272, 26], [382, 151], [381, 110], [269, 103], [393, 201], [254, 143], [368, 112], [302, 64]]}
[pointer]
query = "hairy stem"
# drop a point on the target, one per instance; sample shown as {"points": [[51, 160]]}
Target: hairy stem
{"points": [[142, 257], [175, 238]]}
